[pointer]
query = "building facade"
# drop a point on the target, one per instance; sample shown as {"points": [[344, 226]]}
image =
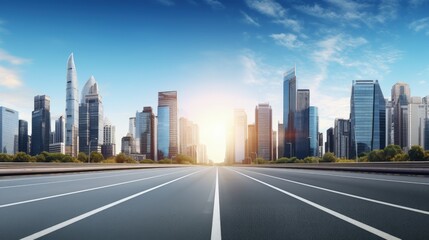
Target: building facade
{"points": [[302, 123], [313, 131], [163, 131], [108, 149], [145, 132], [264, 132], [41, 125], [240, 135], [72, 110], [23, 137], [342, 138], [251, 143], [400, 100], [289, 109], [59, 136], [280, 140], [9, 130], [329, 144], [169, 100]]}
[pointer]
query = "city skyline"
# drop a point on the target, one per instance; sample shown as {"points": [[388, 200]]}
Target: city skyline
{"points": [[233, 58]]}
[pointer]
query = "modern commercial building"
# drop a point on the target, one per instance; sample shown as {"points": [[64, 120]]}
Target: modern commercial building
{"points": [[329, 144], [108, 149], [91, 125], [389, 122], [280, 142], [342, 138], [302, 123], [251, 142], [367, 117], [289, 109], [263, 126], [23, 137], [313, 131], [60, 130], [145, 132], [274, 150], [58, 147], [202, 154], [8, 130], [321, 144], [240, 135], [416, 122], [167, 124], [400, 100], [127, 145], [41, 125], [72, 110]]}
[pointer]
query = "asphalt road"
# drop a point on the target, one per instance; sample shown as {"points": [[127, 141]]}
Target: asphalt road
{"points": [[214, 203]]}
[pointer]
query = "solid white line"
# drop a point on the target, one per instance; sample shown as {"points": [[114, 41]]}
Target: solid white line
{"points": [[327, 210], [84, 190], [216, 230], [95, 211], [347, 194], [356, 177], [70, 180]]}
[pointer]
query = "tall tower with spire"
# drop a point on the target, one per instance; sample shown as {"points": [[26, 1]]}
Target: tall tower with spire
{"points": [[72, 109]]}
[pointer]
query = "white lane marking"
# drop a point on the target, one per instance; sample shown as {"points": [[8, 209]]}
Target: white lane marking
{"points": [[352, 221], [84, 190], [216, 231], [70, 180], [95, 211], [347, 194], [363, 178]]}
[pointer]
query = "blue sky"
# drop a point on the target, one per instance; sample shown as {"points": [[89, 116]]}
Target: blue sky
{"points": [[217, 54]]}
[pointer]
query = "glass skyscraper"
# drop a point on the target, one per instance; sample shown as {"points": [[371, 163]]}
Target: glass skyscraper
{"points": [[8, 130], [314, 131], [163, 132], [41, 125], [368, 117], [23, 136], [289, 109], [72, 109], [169, 100], [145, 132], [264, 131], [302, 124]]}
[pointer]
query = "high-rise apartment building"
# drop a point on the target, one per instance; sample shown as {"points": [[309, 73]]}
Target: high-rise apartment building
{"points": [[389, 122], [23, 137], [302, 123], [264, 129], [367, 117], [145, 132], [167, 124], [416, 122], [41, 125], [91, 125], [342, 138], [9, 130], [289, 109], [313, 131], [72, 110], [108, 149]]}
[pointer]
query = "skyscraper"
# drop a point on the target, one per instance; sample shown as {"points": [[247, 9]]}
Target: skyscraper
{"points": [[240, 135], [23, 136], [251, 142], [264, 129], [416, 122], [145, 132], [329, 145], [368, 117], [41, 125], [274, 150], [163, 143], [280, 141], [59, 136], [72, 109], [289, 109], [389, 122], [108, 149], [8, 130], [313, 131], [302, 123], [400, 99], [167, 104], [342, 138], [91, 125]]}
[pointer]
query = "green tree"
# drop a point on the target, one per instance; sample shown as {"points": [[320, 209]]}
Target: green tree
{"points": [[165, 161], [328, 157], [41, 158], [4, 157], [391, 151], [376, 156], [401, 157], [82, 157], [96, 157], [184, 159], [416, 153], [21, 157]]}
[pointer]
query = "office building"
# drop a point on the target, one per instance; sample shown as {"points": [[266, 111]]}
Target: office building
{"points": [[91, 125], [313, 131], [251, 143], [400, 100], [58, 147], [329, 144], [274, 150], [127, 145], [289, 109], [23, 137], [41, 125], [367, 117], [280, 142], [302, 123], [108, 149], [389, 122], [416, 122], [167, 124], [72, 110], [240, 135], [145, 132], [342, 138], [59, 136], [9, 130], [263, 127]]}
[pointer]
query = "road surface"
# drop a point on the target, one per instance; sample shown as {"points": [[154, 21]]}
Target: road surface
{"points": [[214, 203]]}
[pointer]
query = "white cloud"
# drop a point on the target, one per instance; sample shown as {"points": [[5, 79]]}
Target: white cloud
{"points": [[214, 4], [9, 78], [268, 7], [420, 25], [290, 23], [287, 40], [4, 56], [249, 20]]}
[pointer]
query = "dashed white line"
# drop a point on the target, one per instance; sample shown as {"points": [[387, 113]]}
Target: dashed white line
{"points": [[216, 230], [84, 190], [352, 221], [95, 211], [347, 194]]}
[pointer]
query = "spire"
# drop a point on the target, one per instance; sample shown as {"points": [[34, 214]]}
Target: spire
{"points": [[70, 62], [90, 88]]}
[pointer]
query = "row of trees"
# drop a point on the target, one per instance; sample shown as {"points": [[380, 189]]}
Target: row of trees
{"points": [[391, 153]]}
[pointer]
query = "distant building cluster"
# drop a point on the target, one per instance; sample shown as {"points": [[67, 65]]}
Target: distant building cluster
{"points": [[82, 129]]}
